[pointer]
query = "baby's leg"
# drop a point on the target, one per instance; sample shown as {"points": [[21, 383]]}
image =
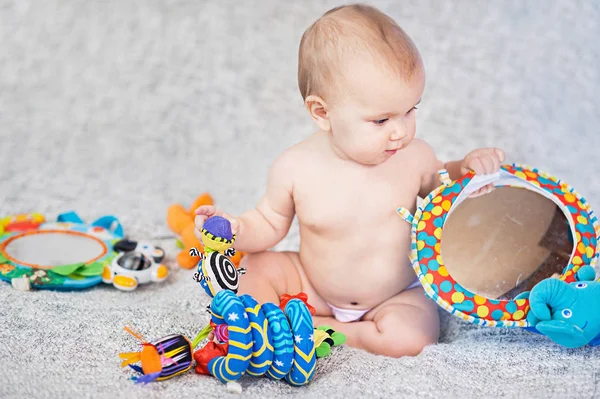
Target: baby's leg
{"points": [[271, 274], [401, 326]]}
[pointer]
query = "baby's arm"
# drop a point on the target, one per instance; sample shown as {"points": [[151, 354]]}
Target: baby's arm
{"points": [[269, 222], [264, 226]]}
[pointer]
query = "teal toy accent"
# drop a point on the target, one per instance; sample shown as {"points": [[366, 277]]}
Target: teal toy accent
{"points": [[304, 345], [567, 313], [283, 341]]}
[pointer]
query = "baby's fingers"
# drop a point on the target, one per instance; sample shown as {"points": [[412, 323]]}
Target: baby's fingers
{"points": [[501, 154], [207, 210], [482, 191], [235, 226], [199, 222], [198, 229]]}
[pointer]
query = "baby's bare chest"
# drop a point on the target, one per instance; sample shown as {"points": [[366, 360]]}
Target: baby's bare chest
{"points": [[337, 199]]}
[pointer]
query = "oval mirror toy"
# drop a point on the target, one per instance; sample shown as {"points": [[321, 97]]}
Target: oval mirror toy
{"points": [[511, 258], [69, 254]]}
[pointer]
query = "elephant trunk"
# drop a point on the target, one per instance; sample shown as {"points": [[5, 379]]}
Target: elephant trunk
{"points": [[548, 294]]}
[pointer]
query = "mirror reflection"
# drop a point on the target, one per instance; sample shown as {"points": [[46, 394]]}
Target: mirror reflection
{"points": [[49, 249], [503, 243]]}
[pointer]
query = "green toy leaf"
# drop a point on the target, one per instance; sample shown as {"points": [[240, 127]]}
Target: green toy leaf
{"points": [[179, 244], [323, 350], [65, 270], [3, 259], [201, 335], [93, 269]]}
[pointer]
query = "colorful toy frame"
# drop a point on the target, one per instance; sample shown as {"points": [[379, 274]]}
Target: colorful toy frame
{"points": [[104, 231], [427, 231]]}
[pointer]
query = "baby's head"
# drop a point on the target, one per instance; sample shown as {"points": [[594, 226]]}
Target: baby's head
{"points": [[361, 77]]}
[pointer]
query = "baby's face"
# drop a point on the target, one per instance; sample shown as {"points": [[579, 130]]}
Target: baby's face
{"points": [[374, 117]]}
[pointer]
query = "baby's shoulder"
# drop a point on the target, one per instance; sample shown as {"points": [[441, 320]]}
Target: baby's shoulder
{"points": [[300, 152], [421, 148], [287, 163]]}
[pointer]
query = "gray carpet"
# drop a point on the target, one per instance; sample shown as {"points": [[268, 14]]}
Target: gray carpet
{"points": [[124, 107]]}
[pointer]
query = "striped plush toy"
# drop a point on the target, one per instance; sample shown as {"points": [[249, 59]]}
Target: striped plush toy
{"points": [[216, 271], [266, 339], [258, 340]]}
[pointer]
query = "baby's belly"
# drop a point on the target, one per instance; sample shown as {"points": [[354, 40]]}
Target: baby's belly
{"points": [[355, 278]]}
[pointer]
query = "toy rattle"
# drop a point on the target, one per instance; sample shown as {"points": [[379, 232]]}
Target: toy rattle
{"points": [[162, 358]]}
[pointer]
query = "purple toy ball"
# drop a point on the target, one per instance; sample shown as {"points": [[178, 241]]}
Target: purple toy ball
{"points": [[219, 227]]}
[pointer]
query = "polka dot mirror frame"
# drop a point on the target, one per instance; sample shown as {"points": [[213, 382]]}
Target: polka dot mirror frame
{"points": [[427, 233]]}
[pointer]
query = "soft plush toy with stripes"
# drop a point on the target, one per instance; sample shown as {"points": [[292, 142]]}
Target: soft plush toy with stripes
{"points": [[216, 272]]}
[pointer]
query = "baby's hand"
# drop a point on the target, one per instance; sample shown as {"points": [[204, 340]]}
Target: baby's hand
{"points": [[483, 161], [205, 211]]}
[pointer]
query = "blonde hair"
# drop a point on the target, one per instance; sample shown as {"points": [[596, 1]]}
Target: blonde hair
{"points": [[346, 31]]}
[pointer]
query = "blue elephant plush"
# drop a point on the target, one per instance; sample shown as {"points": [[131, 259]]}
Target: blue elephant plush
{"points": [[567, 313]]}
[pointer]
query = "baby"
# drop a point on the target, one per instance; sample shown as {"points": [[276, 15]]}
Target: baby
{"points": [[361, 78]]}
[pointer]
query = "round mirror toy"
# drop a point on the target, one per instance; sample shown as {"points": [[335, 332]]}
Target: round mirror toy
{"points": [[520, 256]]}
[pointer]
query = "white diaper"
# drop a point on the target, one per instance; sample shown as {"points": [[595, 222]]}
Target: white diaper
{"points": [[349, 315]]}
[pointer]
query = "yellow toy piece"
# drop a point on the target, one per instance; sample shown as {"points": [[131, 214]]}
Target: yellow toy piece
{"points": [[218, 244], [21, 222], [181, 222]]}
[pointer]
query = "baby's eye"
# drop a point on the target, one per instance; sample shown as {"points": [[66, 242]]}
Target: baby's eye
{"points": [[381, 121], [412, 109]]}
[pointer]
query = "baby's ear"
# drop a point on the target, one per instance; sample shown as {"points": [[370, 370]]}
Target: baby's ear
{"points": [[318, 112]]}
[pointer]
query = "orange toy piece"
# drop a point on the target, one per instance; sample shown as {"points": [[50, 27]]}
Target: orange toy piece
{"points": [[181, 222], [285, 298]]}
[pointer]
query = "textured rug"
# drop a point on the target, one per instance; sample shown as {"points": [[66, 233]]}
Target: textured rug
{"points": [[125, 107]]}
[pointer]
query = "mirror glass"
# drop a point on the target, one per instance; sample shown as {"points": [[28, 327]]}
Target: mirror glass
{"points": [[46, 249], [503, 243]]}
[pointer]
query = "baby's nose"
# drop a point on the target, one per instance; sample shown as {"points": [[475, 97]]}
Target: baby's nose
{"points": [[398, 133]]}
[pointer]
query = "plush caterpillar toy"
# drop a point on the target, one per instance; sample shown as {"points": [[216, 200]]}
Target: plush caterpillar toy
{"points": [[277, 341], [251, 339]]}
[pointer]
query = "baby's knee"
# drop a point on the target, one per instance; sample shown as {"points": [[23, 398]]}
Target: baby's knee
{"points": [[407, 345], [409, 339]]}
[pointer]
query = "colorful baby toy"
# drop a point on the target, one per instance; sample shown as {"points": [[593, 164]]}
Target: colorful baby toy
{"points": [[69, 254], [565, 309], [216, 271], [161, 359], [567, 313], [279, 342], [136, 263], [181, 221], [254, 333]]}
